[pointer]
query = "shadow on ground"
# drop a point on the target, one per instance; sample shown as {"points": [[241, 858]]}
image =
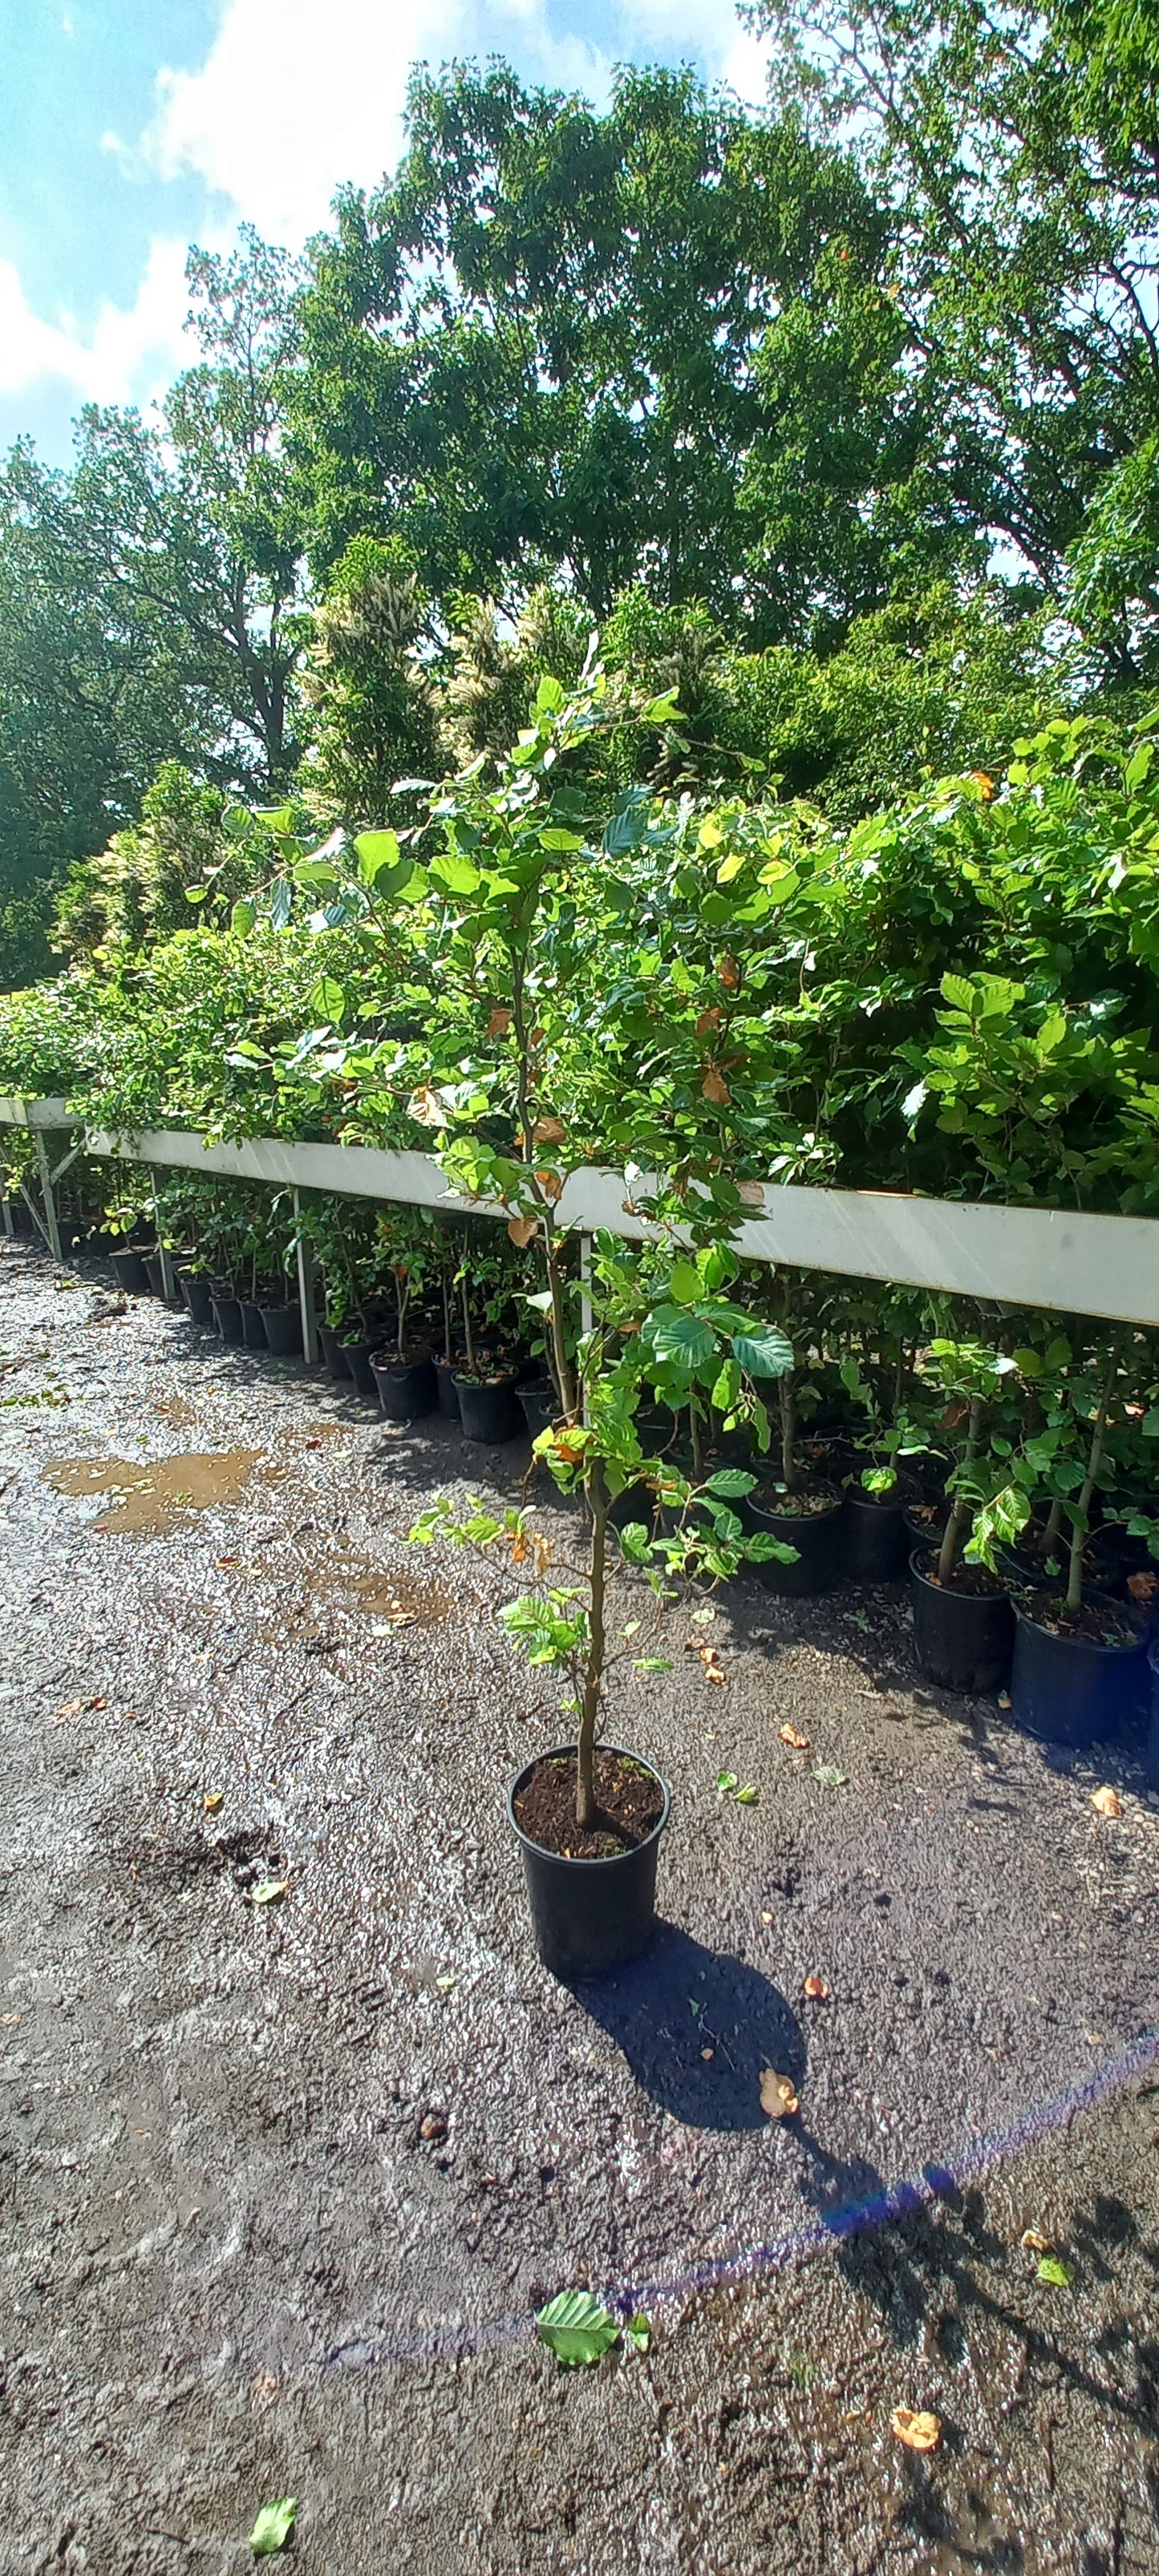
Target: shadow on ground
{"points": [[697, 2027]]}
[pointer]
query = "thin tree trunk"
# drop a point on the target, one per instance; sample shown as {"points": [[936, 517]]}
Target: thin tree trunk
{"points": [[955, 1526], [1081, 1517], [468, 1335], [585, 1792], [788, 1396]]}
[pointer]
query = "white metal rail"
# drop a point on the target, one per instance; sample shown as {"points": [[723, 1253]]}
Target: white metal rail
{"points": [[1078, 1264]]}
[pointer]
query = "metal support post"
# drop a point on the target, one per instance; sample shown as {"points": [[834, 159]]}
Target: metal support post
{"points": [[50, 1220], [168, 1274], [306, 1296], [585, 1263]]}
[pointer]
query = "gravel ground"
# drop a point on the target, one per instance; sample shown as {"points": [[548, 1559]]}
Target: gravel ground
{"points": [[283, 2183]]}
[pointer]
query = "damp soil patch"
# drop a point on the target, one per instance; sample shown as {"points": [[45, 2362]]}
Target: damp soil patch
{"points": [[153, 1494], [629, 1805]]}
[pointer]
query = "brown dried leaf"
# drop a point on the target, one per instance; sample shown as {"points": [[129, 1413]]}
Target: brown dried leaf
{"points": [[551, 1184], [426, 1108], [1107, 1802], [728, 972], [918, 2432], [548, 1131], [540, 1553], [499, 1023], [791, 1735], [778, 2098], [709, 1020], [1034, 2242], [523, 1229], [72, 1708], [708, 2054], [1143, 1587], [751, 1193], [519, 1551], [715, 1088], [816, 1990]]}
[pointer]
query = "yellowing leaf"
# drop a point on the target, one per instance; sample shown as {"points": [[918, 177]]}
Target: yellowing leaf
{"points": [[918, 2432], [1033, 2241], [791, 1735], [778, 2097], [1107, 1802], [213, 1801], [270, 1891]]}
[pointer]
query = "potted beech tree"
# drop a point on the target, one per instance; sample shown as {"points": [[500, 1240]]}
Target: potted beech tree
{"points": [[963, 1621]]}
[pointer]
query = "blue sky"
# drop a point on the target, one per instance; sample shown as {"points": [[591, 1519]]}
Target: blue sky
{"points": [[129, 128]]}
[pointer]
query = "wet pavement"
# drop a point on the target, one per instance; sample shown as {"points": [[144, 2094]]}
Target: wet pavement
{"points": [[285, 2175]]}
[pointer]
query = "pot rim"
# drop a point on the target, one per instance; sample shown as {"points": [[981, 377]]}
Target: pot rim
{"points": [[390, 1364], [928, 1549], [799, 1520], [1090, 1645], [609, 1860]]}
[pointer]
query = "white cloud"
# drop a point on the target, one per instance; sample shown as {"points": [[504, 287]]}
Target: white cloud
{"points": [[292, 100], [127, 356]]}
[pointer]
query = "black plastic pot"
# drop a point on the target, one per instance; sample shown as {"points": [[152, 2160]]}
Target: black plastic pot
{"points": [[589, 1915], [333, 1350], [227, 1315], [817, 1537], [195, 1291], [877, 1542], [357, 1355], [155, 1275], [253, 1325], [1152, 1761], [488, 1413], [1072, 1691], [283, 1327], [406, 1388], [132, 1275], [539, 1405], [448, 1393], [962, 1640]]}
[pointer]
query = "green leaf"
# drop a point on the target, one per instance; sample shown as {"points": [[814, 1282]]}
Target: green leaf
{"points": [[746, 1797], [455, 874], [685, 1340], [549, 696], [685, 1282], [1053, 2269], [327, 1001], [243, 916], [828, 1776], [959, 994], [577, 2328], [638, 2333], [272, 2529], [281, 903], [726, 1784], [729, 1482], [763, 1549], [763, 1351], [554, 839], [196, 894], [375, 851], [270, 1891]]}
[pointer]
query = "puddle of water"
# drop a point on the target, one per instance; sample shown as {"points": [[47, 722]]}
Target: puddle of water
{"points": [[155, 1493], [397, 1597]]}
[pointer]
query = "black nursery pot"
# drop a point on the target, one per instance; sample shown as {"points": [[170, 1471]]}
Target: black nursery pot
{"points": [[357, 1355], [539, 1405], [448, 1393], [333, 1350], [406, 1388], [132, 1275], [253, 1325], [589, 1915], [962, 1640], [1072, 1691], [155, 1275], [283, 1329], [227, 1315], [488, 1413], [195, 1291], [816, 1537], [1152, 1761], [877, 1541]]}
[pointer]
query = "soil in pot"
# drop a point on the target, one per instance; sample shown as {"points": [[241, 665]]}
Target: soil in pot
{"points": [[963, 1628], [196, 1293], [488, 1408], [811, 1521], [593, 1895], [926, 1515], [333, 1350], [1073, 1682], [227, 1315], [406, 1388], [877, 1543], [132, 1276], [283, 1328], [357, 1356]]}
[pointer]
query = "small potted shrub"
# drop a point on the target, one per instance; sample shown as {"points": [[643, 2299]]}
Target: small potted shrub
{"points": [[963, 1620], [587, 1814], [1080, 1656], [879, 1381], [403, 1370], [484, 1384], [791, 1501]]}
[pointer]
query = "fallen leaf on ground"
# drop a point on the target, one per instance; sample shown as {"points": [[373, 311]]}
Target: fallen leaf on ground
{"points": [[726, 1782], [577, 2328], [708, 2054], [273, 2527], [816, 1990], [1053, 2269], [72, 1708], [778, 2097], [919, 2432], [1107, 1802], [638, 2332], [1004, 1701], [765, 1916], [828, 1776], [227, 1561], [746, 1797], [1034, 2241], [270, 1890], [792, 1735], [213, 1801]]}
